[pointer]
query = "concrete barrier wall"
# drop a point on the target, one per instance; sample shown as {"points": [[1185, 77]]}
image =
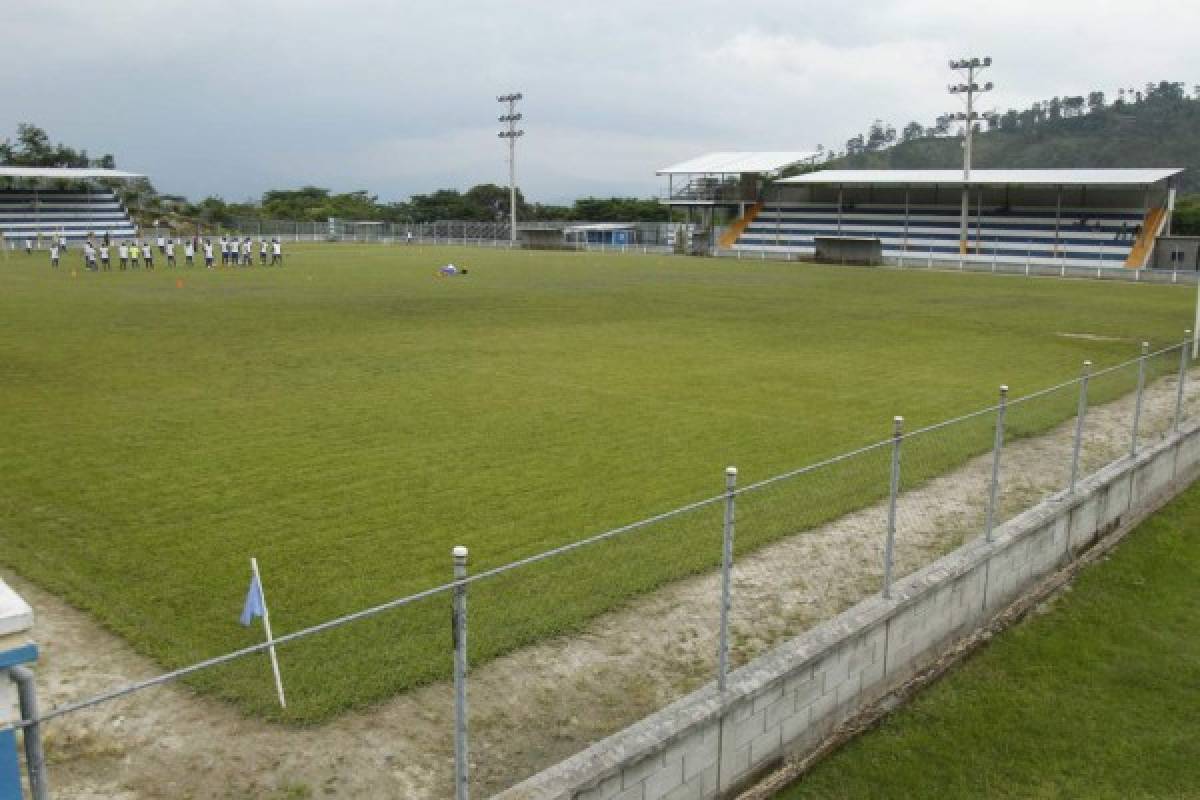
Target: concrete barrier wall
{"points": [[786, 702]]}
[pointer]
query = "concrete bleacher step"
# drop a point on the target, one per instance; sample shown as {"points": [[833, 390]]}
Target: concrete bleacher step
{"points": [[70, 213], [1074, 234]]}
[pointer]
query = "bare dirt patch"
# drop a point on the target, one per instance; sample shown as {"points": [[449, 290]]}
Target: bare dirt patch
{"points": [[543, 703]]}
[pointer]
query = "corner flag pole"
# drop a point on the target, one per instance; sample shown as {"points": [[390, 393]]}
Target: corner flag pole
{"points": [[266, 618]]}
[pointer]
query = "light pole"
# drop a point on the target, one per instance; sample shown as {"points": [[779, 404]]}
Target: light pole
{"points": [[971, 67], [512, 134]]}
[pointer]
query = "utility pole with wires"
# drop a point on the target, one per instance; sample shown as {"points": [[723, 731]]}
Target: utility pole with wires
{"points": [[512, 134], [971, 67]]}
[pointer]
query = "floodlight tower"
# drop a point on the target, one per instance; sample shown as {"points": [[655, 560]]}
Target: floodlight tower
{"points": [[512, 134], [970, 67]]}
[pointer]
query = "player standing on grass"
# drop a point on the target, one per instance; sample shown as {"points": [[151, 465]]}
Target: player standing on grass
{"points": [[105, 263], [54, 255], [29, 247], [262, 251], [224, 250], [162, 244], [189, 251], [247, 257], [171, 252], [123, 254], [276, 252], [208, 253], [147, 256]]}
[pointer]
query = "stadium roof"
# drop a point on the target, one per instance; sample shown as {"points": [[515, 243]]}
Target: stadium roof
{"points": [[601, 226], [986, 177], [67, 173], [738, 162]]}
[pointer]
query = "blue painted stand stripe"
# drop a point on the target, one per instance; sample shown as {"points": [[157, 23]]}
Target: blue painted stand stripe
{"points": [[25, 654], [10, 767]]}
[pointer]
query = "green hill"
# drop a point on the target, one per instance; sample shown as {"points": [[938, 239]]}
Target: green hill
{"points": [[1160, 130]]}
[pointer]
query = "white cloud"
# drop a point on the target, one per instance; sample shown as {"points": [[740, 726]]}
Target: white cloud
{"points": [[236, 97]]}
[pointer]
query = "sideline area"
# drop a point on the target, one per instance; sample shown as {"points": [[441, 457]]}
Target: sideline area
{"points": [[1097, 699]]}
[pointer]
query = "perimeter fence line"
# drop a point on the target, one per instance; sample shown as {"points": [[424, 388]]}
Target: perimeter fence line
{"points": [[890, 471], [991, 263]]}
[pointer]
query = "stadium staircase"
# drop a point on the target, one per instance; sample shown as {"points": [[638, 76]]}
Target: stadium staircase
{"points": [[69, 213], [1151, 228], [1027, 235], [730, 236]]}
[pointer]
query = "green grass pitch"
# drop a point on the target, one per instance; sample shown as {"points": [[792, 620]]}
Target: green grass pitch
{"points": [[351, 417]]}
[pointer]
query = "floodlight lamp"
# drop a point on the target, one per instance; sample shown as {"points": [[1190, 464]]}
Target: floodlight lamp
{"points": [[987, 87], [975, 62], [987, 61], [953, 64]]}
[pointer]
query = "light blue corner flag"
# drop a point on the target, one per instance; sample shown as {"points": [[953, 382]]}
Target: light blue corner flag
{"points": [[254, 601]]}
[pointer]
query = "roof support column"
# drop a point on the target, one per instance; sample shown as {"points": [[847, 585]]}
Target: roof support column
{"points": [[979, 220], [964, 219], [778, 192], [1057, 218], [1170, 203], [839, 214]]}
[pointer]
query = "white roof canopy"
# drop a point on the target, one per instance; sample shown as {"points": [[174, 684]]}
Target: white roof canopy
{"points": [[739, 162], [67, 173], [986, 177], [601, 226]]}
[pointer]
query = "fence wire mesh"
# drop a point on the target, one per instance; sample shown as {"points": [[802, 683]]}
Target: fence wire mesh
{"points": [[944, 474], [799, 581], [563, 691]]}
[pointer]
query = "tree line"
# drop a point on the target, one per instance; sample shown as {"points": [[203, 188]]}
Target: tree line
{"points": [[485, 202], [881, 135]]}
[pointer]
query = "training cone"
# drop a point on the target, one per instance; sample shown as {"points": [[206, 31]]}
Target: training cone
{"points": [[179, 283]]}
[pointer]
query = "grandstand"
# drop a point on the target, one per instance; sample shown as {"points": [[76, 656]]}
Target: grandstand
{"points": [[726, 183], [42, 202], [1094, 217]]}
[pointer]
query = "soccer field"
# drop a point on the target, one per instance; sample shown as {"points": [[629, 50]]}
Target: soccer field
{"points": [[349, 418]]}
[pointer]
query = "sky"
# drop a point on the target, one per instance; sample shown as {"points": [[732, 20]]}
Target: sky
{"points": [[235, 98]]}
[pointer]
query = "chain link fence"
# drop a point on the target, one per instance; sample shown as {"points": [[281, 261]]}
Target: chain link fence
{"points": [[667, 603]]}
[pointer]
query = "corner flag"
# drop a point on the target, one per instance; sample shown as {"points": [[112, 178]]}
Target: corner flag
{"points": [[254, 602], [256, 606]]}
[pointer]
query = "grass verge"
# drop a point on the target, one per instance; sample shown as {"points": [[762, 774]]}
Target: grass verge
{"points": [[1095, 699]]}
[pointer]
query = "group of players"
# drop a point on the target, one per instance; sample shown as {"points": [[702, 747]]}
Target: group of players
{"points": [[132, 254]]}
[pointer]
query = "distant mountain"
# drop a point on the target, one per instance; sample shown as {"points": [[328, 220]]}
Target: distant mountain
{"points": [[1159, 130]]}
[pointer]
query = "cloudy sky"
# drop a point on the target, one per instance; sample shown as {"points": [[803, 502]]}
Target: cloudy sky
{"points": [[232, 98]]}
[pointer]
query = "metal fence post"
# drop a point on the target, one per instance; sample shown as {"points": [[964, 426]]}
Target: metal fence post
{"points": [[1079, 415], [893, 490], [726, 575], [1183, 359], [1137, 405], [997, 446], [460, 674]]}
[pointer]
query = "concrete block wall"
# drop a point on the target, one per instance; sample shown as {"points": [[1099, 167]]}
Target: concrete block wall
{"points": [[709, 745]]}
